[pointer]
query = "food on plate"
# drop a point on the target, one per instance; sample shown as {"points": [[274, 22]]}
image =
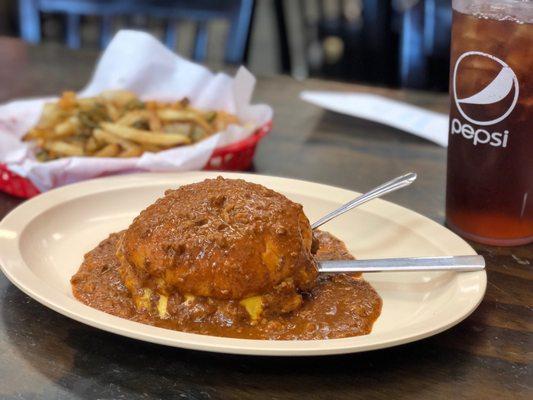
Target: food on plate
{"points": [[223, 239], [119, 124], [228, 258]]}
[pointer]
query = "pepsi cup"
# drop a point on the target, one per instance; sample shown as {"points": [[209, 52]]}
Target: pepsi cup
{"points": [[489, 195]]}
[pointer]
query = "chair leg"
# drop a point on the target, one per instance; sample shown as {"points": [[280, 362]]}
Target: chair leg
{"points": [[73, 31], [170, 34], [238, 33], [285, 54], [377, 42], [200, 45], [29, 21], [106, 31], [413, 71]]}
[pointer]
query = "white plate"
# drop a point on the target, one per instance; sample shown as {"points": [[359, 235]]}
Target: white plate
{"points": [[43, 241]]}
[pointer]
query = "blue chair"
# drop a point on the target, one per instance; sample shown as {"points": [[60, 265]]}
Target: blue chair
{"points": [[424, 36], [238, 13]]}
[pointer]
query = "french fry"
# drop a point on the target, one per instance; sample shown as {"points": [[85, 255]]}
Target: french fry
{"points": [[119, 97], [185, 128], [112, 111], [65, 128], [61, 130], [151, 105], [153, 121], [184, 115], [34, 134], [42, 156], [198, 134], [133, 152], [152, 148], [67, 100], [87, 102], [92, 145], [169, 114], [106, 137], [223, 119], [119, 124], [50, 116], [111, 150], [146, 137], [132, 117], [63, 148]]}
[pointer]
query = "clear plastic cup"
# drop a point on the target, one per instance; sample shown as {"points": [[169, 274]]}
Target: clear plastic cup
{"points": [[489, 196]]}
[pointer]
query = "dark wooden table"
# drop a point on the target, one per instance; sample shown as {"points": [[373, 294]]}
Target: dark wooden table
{"points": [[488, 356]]}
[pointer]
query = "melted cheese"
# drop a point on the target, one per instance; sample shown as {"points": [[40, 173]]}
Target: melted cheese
{"points": [[254, 306], [162, 307], [143, 302]]}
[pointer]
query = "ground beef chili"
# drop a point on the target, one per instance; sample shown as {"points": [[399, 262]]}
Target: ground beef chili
{"points": [[338, 306]]}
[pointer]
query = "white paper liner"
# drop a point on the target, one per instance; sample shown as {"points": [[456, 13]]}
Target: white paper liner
{"points": [[138, 62]]}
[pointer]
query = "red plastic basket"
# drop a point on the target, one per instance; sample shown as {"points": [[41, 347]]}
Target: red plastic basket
{"points": [[234, 157]]}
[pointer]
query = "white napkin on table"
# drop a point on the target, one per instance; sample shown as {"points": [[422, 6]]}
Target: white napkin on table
{"points": [[418, 121]]}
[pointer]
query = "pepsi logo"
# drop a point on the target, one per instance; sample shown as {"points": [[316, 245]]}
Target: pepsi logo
{"points": [[485, 88]]}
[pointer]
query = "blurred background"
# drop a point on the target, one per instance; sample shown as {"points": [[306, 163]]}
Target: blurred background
{"points": [[393, 43]]}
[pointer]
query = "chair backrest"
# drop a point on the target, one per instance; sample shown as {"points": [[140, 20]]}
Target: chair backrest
{"points": [[345, 39], [238, 14], [392, 42]]}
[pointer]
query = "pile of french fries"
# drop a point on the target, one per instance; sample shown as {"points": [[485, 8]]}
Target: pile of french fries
{"points": [[119, 124]]}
